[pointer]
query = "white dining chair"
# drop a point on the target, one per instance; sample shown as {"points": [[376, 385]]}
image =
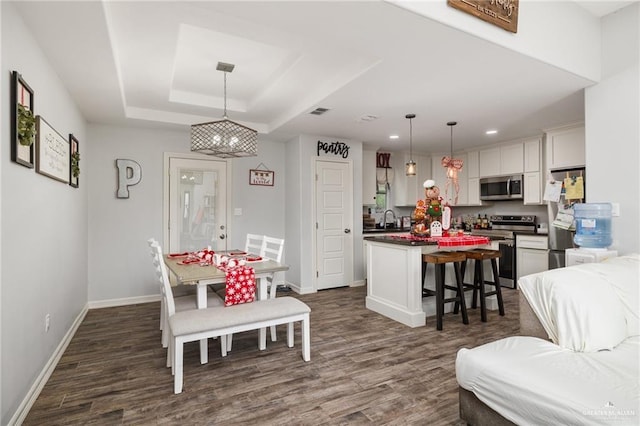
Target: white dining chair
{"points": [[181, 303], [253, 244], [272, 249], [169, 302]]}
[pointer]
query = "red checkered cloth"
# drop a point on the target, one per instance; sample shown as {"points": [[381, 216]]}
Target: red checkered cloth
{"points": [[465, 240], [240, 285]]}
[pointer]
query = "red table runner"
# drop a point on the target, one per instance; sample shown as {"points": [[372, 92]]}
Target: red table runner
{"points": [[457, 241]]}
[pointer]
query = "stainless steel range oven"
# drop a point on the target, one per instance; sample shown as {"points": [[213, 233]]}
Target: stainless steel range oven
{"points": [[503, 229]]}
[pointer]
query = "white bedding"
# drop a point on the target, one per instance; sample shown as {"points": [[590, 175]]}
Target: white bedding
{"points": [[587, 307], [530, 381]]}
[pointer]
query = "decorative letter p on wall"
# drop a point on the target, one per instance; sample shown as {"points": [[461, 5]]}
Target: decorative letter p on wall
{"points": [[129, 174]]}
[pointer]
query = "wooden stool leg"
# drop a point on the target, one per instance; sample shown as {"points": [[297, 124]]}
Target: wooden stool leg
{"points": [[496, 279], [476, 286], [463, 305], [483, 302], [463, 267], [439, 295]]}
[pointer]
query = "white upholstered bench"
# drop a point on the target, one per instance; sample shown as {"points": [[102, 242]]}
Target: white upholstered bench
{"points": [[193, 325]]}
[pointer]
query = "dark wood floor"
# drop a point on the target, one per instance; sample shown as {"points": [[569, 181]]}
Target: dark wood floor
{"points": [[364, 369]]}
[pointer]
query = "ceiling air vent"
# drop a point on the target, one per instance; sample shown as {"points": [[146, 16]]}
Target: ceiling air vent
{"points": [[319, 111], [367, 118]]}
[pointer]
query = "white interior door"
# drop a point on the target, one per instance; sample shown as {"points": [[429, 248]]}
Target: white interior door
{"points": [[197, 204], [334, 236]]}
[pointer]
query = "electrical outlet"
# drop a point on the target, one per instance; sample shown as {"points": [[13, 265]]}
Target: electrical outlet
{"points": [[47, 323]]}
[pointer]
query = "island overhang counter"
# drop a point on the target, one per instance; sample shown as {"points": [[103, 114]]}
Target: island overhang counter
{"points": [[394, 274]]}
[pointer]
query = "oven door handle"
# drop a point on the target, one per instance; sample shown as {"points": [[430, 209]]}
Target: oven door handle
{"points": [[509, 187]]}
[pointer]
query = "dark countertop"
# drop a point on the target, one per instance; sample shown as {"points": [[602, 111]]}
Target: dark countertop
{"points": [[384, 231], [400, 241]]}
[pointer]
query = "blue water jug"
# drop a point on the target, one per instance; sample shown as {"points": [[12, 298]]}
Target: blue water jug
{"points": [[593, 225]]}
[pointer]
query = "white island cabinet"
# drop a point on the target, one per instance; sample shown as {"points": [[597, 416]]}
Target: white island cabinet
{"points": [[394, 282]]}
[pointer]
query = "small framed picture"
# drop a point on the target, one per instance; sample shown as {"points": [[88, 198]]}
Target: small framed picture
{"points": [[23, 122], [261, 177], [53, 158], [74, 161]]}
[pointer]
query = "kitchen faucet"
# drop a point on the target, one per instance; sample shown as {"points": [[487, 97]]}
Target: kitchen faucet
{"points": [[385, 217]]}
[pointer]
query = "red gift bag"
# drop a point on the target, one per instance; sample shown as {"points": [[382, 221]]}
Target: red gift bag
{"points": [[240, 285]]}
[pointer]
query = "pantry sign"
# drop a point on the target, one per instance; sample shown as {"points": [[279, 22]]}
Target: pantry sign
{"points": [[503, 13]]}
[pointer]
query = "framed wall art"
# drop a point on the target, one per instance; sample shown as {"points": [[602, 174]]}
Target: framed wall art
{"points": [[261, 177], [74, 161], [53, 157], [23, 122]]}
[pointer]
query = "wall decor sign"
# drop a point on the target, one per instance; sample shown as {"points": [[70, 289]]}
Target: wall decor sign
{"points": [[502, 13], [129, 174], [261, 177], [23, 122], [383, 160], [74, 161], [53, 157], [335, 148]]}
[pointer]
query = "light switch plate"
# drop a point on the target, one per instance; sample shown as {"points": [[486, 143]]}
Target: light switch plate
{"points": [[237, 211], [615, 209]]}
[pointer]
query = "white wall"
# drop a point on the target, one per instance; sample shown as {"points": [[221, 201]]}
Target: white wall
{"points": [[555, 32], [612, 127], [119, 263], [43, 228]]}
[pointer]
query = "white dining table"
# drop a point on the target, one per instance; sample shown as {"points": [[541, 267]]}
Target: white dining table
{"points": [[203, 276]]}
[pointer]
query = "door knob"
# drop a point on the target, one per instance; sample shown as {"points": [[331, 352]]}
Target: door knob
{"points": [[222, 236], [347, 230]]}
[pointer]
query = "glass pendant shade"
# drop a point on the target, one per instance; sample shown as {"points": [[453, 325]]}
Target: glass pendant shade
{"points": [[411, 168], [224, 138]]}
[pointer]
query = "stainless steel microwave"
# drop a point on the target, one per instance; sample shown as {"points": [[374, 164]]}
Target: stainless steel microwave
{"points": [[502, 188]]}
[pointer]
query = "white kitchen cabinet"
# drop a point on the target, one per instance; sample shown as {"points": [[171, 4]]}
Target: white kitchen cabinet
{"points": [[532, 188], [472, 164], [473, 191], [489, 162], [369, 177], [502, 160], [511, 159], [532, 254], [565, 148], [406, 190], [532, 157]]}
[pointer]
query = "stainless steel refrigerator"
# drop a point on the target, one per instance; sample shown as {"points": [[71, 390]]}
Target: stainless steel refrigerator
{"points": [[561, 239]]}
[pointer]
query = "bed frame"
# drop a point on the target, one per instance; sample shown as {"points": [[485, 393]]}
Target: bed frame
{"points": [[477, 413]]}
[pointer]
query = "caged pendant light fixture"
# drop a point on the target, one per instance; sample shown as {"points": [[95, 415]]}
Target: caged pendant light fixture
{"points": [[224, 138], [411, 165], [453, 166]]}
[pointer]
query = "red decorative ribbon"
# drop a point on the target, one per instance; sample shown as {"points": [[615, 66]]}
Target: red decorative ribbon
{"points": [[456, 163]]}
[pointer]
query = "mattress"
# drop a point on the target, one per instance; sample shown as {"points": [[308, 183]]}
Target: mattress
{"points": [[531, 381]]}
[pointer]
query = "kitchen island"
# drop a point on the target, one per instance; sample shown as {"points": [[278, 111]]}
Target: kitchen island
{"points": [[394, 274]]}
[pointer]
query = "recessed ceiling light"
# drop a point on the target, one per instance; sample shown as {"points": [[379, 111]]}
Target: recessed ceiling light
{"points": [[394, 137], [491, 132]]}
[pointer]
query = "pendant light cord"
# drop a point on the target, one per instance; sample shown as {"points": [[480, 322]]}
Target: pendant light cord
{"points": [[225, 94], [411, 139]]}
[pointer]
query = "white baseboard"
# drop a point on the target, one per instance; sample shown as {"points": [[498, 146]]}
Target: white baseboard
{"points": [[43, 377], [358, 283], [110, 303]]}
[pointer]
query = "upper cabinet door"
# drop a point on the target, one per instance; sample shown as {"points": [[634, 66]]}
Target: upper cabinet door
{"points": [[511, 159], [565, 148], [490, 162], [532, 155]]}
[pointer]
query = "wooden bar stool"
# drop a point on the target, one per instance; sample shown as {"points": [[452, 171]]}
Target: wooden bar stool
{"points": [[479, 256], [439, 260]]}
